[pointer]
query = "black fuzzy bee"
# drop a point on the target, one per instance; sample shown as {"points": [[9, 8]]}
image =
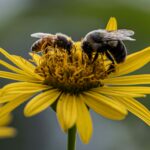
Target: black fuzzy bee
{"points": [[107, 42]]}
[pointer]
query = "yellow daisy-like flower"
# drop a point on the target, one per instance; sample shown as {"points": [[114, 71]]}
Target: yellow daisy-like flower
{"points": [[5, 131], [74, 85]]}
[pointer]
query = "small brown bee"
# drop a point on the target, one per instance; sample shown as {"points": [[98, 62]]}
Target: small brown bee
{"points": [[58, 40]]}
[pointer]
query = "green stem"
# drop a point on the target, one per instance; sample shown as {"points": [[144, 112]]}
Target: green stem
{"points": [[72, 138]]}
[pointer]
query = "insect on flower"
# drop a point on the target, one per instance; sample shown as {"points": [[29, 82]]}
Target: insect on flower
{"points": [[109, 43], [49, 40], [74, 85]]}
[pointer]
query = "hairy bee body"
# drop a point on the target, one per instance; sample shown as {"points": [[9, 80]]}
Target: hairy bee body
{"points": [[107, 42], [46, 40]]}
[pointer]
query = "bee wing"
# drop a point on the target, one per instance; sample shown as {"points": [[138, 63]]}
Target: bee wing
{"points": [[125, 32], [40, 35], [121, 34]]}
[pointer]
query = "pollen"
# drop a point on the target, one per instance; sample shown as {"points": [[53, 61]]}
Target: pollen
{"points": [[71, 72]]}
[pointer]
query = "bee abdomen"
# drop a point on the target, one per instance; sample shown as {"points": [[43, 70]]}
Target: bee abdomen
{"points": [[119, 52], [37, 45]]}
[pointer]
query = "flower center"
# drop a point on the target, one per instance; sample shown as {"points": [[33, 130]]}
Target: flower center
{"points": [[72, 72]]}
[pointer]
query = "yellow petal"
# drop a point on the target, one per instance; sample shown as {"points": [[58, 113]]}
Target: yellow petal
{"points": [[10, 106], [112, 24], [133, 62], [23, 87], [8, 97], [130, 89], [128, 80], [84, 121], [17, 77], [10, 67], [15, 61], [114, 91], [36, 58], [5, 120], [21, 60], [105, 106], [59, 112], [40, 102], [105, 110], [21, 63], [136, 108], [6, 132], [68, 111]]}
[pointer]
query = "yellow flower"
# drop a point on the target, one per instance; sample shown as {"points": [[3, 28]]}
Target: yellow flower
{"points": [[5, 131], [73, 85]]}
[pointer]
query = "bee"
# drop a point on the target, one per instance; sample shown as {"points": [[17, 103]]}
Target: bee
{"points": [[106, 42], [45, 40]]}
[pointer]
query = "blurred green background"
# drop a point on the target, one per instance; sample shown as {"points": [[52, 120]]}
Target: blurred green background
{"points": [[20, 18]]}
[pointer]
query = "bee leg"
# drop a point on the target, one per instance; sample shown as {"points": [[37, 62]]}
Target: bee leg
{"points": [[95, 57], [109, 56], [111, 69], [112, 65], [90, 56]]}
